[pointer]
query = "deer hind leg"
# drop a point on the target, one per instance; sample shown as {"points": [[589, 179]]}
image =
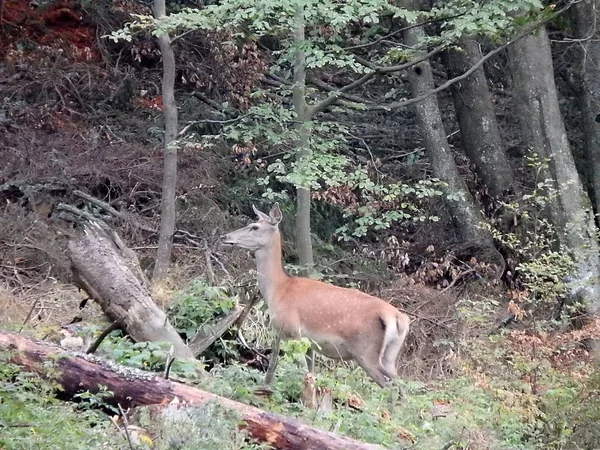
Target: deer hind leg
{"points": [[391, 343], [375, 371], [403, 328], [366, 354], [389, 358]]}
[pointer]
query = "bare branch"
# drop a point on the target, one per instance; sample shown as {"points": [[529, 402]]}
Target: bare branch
{"points": [[113, 326], [376, 70], [396, 32], [476, 66], [336, 95], [399, 67]]}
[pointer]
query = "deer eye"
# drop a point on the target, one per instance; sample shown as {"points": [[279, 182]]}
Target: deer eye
{"points": [[254, 227]]}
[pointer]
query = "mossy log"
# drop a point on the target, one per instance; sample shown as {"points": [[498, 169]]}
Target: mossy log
{"points": [[131, 387]]}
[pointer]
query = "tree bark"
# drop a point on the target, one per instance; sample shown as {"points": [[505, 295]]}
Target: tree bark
{"points": [[303, 235], [467, 217], [477, 121], [544, 133], [212, 331], [167, 203], [109, 272], [132, 387], [587, 29]]}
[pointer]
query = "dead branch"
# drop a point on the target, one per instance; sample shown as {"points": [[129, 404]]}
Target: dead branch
{"points": [[210, 332], [94, 346]]}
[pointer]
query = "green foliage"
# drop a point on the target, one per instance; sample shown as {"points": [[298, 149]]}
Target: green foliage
{"points": [[331, 29], [498, 414], [150, 356], [205, 427], [96, 400], [494, 18], [295, 349], [30, 416], [198, 304], [543, 266], [385, 205], [561, 413], [572, 415], [369, 205]]}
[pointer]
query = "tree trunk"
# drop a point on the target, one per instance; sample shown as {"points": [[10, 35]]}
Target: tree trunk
{"points": [[587, 29], [477, 121], [109, 272], [167, 203], [132, 387], [544, 133], [467, 217], [303, 238]]}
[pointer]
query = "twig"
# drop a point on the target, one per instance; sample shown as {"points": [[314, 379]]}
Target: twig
{"points": [[394, 33], [220, 264], [169, 363], [246, 312], [29, 314], [79, 213], [449, 444], [220, 122], [126, 427], [112, 211], [113, 326], [433, 321], [105, 206], [213, 104], [458, 277]]}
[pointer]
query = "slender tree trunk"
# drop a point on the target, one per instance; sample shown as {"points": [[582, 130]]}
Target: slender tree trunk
{"points": [[303, 239], [466, 215], [587, 29], [167, 204], [544, 133], [303, 115], [477, 121]]}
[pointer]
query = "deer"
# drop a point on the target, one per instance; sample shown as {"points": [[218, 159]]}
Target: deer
{"points": [[342, 323]]}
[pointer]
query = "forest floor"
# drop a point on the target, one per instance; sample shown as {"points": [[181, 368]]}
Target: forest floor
{"points": [[71, 122]]}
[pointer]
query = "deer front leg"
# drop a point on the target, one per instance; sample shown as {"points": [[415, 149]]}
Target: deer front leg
{"points": [[273, 361]]}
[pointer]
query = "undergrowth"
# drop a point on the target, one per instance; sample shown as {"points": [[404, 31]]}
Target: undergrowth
{"points": [[32, 418], [489, 405], [507, 391]]}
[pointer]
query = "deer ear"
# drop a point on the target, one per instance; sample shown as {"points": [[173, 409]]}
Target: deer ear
{"points": [[261, 215], [275, 214]]}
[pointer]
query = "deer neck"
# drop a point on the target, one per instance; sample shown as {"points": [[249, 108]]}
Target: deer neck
{"points": [[269, 266]]}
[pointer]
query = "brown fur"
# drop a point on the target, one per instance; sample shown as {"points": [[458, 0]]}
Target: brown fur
{"points": [[344, 323]]}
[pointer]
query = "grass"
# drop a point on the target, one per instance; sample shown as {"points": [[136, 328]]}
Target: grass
{"points": [[506, 391], [32, 418]]}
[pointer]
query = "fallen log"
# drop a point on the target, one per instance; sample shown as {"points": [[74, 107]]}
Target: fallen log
{"points": [[109, 272], [131, 387]]}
